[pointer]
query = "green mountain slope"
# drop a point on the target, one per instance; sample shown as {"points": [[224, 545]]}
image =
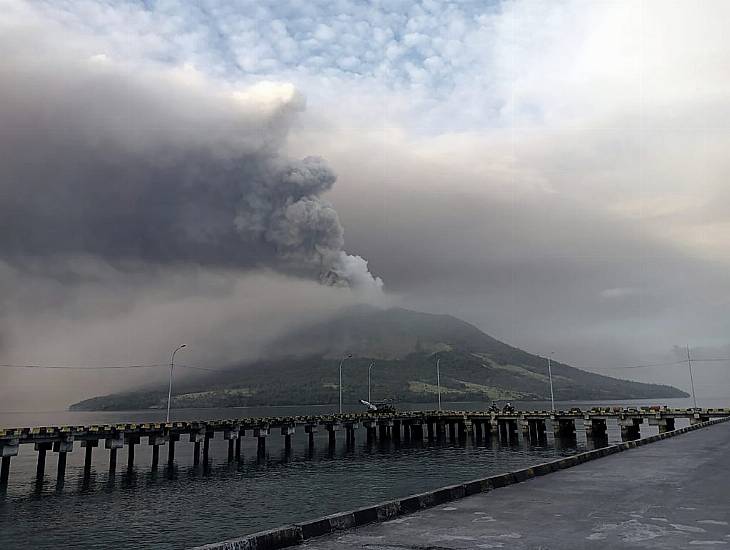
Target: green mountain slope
{"points": [[302, 368]]}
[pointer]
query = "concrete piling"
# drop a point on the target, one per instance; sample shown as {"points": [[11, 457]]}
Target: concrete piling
{"points": [[172, 439], [114, 442], [42, 448], [331, 435], [155, 440], [206, 447], [62, 447], [112, 461], [241, 435], [196, 438], [4, 471], [630, 427], [261, 433], [440, 429], [595, 427], [8, 449], [132, 441], [395, 430], [563, 427], [88, 445], [232, 436], [311, 429], [370, 430]]}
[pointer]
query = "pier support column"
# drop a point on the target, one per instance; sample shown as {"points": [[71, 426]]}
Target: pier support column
{"points": [[667, 426], [478, 427], [287, 432], [232, 437], [42, 448], [241, 435], [696, 418], [563, 427], [4, 471], [466, 429], [452, 430], [206, 447], [395, 430], [416, 430], [494, 427], [173, 438], [114, 443], [332, 434], [406, 430], [88, 445], [524, 425], [155, 440], [311, 429], [507, 428], [440, 429], [8, 449], [630, 428], [595, 428], [350, 428], [132, 441], [261, 433], [430, 429], [370, 430], [62, 448], [196, 438], [540, 429], [382, 431]]}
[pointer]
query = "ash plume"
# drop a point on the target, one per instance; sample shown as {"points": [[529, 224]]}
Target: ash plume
{"points": [[142, 164]]}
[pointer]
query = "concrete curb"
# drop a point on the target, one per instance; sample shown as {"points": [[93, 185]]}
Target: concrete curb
{"points": [[291, 535]]}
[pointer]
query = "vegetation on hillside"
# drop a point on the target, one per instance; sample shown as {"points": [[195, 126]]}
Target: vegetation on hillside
{"points": [[404, 346]]}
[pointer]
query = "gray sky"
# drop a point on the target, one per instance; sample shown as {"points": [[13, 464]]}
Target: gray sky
{"points": [[554, 172]]}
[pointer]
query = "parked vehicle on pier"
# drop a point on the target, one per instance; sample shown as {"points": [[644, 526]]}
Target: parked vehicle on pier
{"points": [[385, 406]]}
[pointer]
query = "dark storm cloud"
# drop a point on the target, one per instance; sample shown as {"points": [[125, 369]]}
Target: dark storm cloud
{"points": [[141, 164]]}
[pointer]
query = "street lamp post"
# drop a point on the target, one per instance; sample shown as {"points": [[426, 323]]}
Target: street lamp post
{"points": [[342, 361], [370, 367], [438, 380], [550, 374], [169, 389], [691, 378]]}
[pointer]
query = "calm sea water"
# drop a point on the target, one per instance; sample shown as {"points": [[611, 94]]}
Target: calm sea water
{"points": [[184, 505]]}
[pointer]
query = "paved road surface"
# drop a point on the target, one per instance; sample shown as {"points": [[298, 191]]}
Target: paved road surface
{"points": [[672, 494]]}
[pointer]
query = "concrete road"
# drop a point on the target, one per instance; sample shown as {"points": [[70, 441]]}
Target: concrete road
{"points": [[670, 494]]}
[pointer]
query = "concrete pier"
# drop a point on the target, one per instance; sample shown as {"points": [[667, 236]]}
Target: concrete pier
{"points": [[384, 426], [671, 494]]}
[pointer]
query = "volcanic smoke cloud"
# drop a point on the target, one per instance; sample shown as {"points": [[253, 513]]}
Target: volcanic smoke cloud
{"points": [[142, 164]]}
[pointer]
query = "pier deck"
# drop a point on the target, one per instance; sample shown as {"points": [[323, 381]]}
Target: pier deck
{"points": [[670, 494], [406, 425]]}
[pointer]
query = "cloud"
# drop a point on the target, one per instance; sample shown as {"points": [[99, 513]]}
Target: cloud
{"points": [[154, 164]]}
